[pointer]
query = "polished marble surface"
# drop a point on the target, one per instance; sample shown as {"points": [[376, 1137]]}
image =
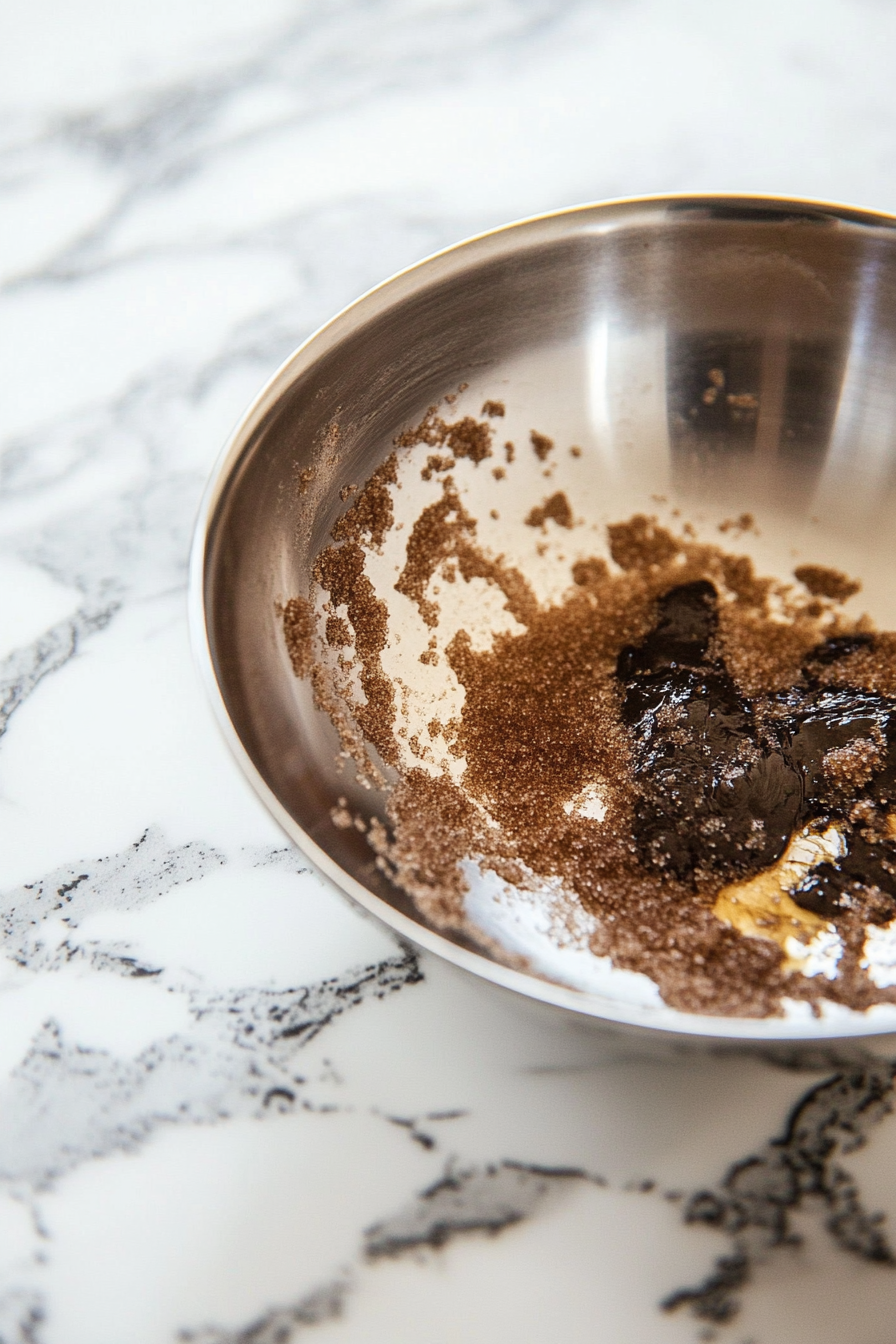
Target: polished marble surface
{"points": [[231, 1109]]}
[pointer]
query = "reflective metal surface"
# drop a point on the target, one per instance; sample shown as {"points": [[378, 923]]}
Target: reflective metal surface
{"points": [[793, 302]]}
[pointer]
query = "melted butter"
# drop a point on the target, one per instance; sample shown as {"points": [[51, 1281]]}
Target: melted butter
{"points": [[761, 907]]}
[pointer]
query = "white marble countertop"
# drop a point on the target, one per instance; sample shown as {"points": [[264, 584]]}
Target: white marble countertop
{"points": [[231, 1110]]}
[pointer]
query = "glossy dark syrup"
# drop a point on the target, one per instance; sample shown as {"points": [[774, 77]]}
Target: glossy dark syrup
{"points": [[724, 782]]}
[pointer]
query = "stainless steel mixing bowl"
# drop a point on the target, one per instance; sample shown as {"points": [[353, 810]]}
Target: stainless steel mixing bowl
{"points": [[617, 310]]}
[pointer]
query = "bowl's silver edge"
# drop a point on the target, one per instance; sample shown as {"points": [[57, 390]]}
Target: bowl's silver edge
{"points": [[673, 1022]]}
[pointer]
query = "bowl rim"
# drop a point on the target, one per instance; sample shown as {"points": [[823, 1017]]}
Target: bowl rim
{"points": [[667, 1021]]}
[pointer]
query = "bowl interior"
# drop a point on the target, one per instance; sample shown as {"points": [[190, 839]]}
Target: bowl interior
{"points": [[600, 326]]}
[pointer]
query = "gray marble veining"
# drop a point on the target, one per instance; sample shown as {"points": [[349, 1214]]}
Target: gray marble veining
{"points": [[231, 1110]]}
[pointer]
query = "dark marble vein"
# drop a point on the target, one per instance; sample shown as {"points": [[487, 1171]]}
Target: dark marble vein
{"points": [[484, 1199], [281, 1324], [477, 1199], [142, 872], [22, 1315], [64, 1104], [752, 1205], [128, 547], [281, 1021], [414, 1125], [22, 671], [754, 1202]]}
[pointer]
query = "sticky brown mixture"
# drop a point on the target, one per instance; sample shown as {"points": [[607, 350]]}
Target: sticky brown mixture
{"points": [[720, 715]]}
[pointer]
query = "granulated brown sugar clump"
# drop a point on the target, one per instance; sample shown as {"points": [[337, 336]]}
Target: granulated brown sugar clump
{"points": [[470, 438], [745, 522], [557, 508], [435, 464], [824, 582], [493, 408], [432, 821], [299, 627], [640, 542], [474, 564], [371, 515], [851, 767], [445, 530], [541, 443], [590, 573], [464, 438], [340, 571], [739, 576], [435, 536], [351, 740], [764, 655], [868, 662], [338, 632]]}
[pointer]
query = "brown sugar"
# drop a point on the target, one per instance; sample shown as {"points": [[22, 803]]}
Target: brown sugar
{"points": [[469, 438], [850, 767], [436, 535], [547, 719], [556, 508], [434, 465], [493, 408], [824, 582], [371, 514], [463, 438], [745, 522], [541, 443], [590, 573], [641, 542], [299, 628], [351, 740], [444, 530], [338, 633], [340, 572], [871, 665]]}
